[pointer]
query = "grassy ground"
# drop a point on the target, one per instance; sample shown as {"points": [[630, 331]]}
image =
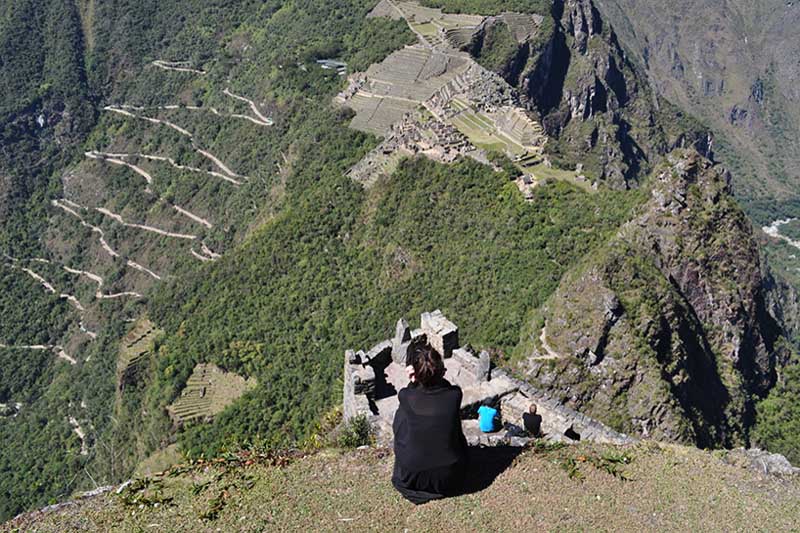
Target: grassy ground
{"points": [[543, 172], [646, 487]]}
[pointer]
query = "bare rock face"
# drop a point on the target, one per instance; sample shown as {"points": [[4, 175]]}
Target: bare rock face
{"points": [[666, 331], [733, 65], [582, 21]]}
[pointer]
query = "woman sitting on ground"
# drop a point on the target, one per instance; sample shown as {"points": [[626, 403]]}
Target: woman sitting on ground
{"points": [[430, 451]]}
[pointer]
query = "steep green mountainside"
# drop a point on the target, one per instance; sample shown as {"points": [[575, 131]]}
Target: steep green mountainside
{"points": [[593, 102], [73, 274], [733, 64], [174, 196]]}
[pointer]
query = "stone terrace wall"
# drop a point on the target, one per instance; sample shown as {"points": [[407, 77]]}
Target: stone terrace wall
{"points": [[372, 378]]}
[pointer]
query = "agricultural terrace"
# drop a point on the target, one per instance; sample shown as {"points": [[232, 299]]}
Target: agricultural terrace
{"points": [[208, 391]]}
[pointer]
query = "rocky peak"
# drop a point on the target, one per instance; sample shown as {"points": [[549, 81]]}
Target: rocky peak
{"points": [[666, 332], [593, 103], [582, 21]]}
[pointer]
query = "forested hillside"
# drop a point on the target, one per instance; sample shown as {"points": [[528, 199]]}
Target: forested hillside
{"points": [[174, 190]]}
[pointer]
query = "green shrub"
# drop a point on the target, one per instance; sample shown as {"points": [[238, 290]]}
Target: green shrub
{"points": [[356, 432], [778, 417]]}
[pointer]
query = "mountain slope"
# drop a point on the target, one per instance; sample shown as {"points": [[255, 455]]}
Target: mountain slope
{"points": [[593, 102], [667, 328], [732, 65]]}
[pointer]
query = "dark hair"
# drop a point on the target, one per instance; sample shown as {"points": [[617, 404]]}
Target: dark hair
{"points": [[427, 363]]}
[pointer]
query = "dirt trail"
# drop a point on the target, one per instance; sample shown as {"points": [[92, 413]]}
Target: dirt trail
{"points": [[94, 277], [52, 290], [263, 121], [208, 252], [107, 157], [551, 354], [140, 268], [40, 279], [198, 219], [76, 427], [773, 230], [61, 354], [122, 111], [412, 28], [211, 157], [91, 334], [178, 66], [173, 163], [200, 257], [266, 121], [100, 282], [143, 227], [55, 348], [26, 347], [207, 255], [71, 210], [185, 133], [103, 242]]}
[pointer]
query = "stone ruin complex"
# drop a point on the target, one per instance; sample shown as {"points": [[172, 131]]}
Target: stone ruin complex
{"points": [[373, 378], [432, 98]]}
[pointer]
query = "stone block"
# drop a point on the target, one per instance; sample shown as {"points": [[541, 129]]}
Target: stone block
{"points": [[358, 405], [514, 406], [477, 367], [500, 386], [364, 380], [402, 332], [352, 358], [484, 366], [400, 353], [464, 355], [518, 442], [442, 334]]}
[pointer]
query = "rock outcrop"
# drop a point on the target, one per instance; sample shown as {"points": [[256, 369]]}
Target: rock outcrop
{"points": [[666, 331]]}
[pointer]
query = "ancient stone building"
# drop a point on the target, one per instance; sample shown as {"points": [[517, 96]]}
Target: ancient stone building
{"points": [[373, 378]]}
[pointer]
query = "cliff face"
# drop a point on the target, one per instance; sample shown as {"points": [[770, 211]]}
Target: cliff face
{"points": [[666, 332], [591, 99], [734, 65]]}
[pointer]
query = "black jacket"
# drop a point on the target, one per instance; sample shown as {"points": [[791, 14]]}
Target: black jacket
{"points": [[429, 446]]}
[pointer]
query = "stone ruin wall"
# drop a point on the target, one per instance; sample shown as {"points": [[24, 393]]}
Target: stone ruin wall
{"points": [[478, 380]]}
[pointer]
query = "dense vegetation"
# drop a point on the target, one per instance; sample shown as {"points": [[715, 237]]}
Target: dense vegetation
{"points": [[778, 416], [98, 52], [336, 269]]}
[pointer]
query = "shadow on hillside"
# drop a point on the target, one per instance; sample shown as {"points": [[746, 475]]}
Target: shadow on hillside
{"points": [[485, 464]]}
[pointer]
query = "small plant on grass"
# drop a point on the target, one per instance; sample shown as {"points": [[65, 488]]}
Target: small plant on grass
{"points": [[145, 493], [543, 446], [611, 463], [356, 432], [570, 466], [322, 435]]}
